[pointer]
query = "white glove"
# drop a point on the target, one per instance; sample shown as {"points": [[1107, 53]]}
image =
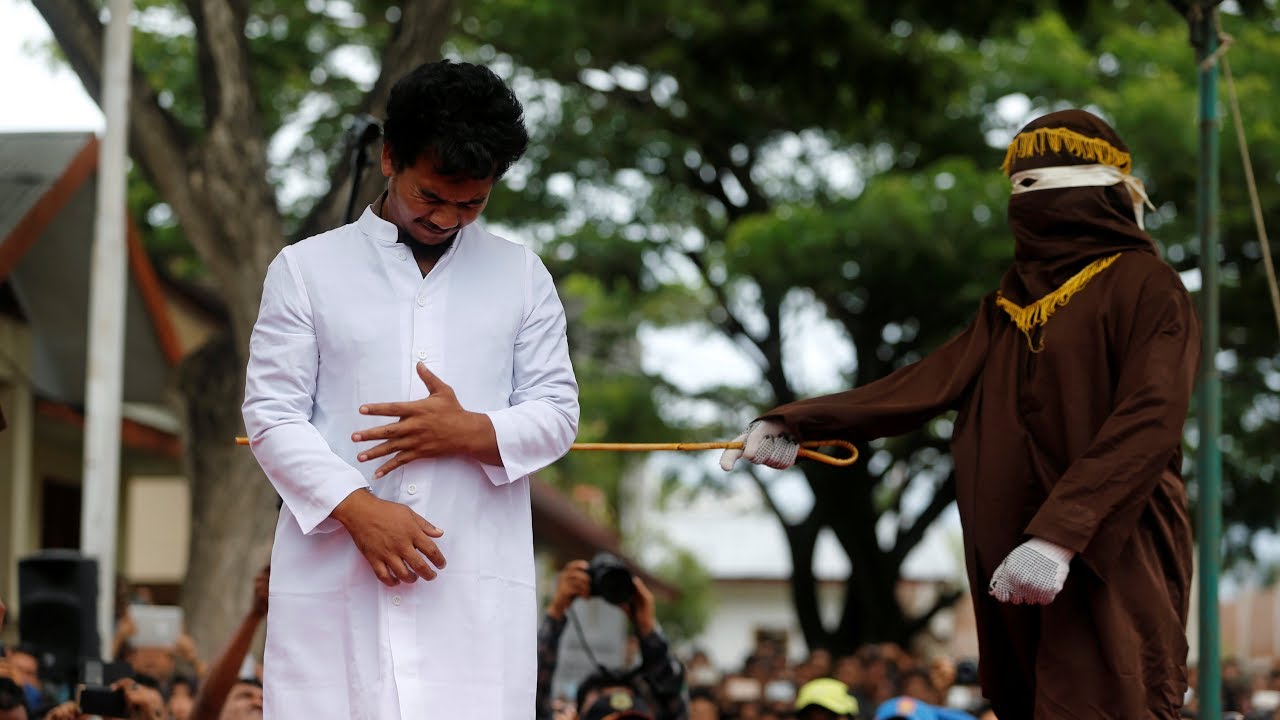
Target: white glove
{"points": [[764, 443], [1033, 573]]}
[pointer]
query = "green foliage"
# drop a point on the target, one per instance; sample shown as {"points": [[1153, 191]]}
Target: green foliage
{"points": [[715, 166], [302, 57], [684, 617], [843, 155]]}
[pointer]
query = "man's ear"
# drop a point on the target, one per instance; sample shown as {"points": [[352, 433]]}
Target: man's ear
{"points": [[388, 166]]}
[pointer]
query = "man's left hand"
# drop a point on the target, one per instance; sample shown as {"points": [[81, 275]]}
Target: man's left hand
{"points": [[1033, 573], [642, 609], [434, 426]]}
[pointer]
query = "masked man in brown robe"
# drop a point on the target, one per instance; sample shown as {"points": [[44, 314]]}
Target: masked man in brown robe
{"points": [[1071, 385]]}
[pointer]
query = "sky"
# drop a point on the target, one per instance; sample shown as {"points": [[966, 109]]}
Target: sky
{"points": [[40, 93]]}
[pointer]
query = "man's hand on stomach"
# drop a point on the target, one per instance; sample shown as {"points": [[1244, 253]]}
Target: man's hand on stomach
{"points": [[396, 541]]}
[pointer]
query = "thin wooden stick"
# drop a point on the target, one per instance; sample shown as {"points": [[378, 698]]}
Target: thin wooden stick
{"points": [[805, 450]]}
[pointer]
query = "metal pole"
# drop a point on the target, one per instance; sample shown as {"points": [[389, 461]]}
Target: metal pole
{"points": [[105, 363], [1209, 411]]}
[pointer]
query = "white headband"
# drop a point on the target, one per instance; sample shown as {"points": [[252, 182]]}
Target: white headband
{"points": [[1069, 176]]}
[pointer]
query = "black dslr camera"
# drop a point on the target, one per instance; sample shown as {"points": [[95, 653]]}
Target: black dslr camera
{"points": [[95, 697], [610, 579]]}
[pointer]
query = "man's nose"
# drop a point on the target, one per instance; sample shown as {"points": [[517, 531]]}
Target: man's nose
{"points": [[445, 218]]}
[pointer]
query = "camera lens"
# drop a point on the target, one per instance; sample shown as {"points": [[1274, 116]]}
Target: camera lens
{"points": [[610, 579]]}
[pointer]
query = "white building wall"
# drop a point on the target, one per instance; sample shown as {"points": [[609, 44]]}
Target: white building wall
{"points": [[744, 607], [157, 529]]}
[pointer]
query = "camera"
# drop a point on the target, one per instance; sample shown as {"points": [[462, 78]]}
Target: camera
{"points": [[103, 701], [610, 579], [95, 695]]}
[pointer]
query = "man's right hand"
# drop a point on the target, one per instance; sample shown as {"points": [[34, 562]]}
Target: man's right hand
{"points": [[392, 537], [574, 582]]}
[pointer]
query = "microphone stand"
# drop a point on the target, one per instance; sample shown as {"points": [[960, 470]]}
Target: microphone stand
{"points": [[364, 130]]}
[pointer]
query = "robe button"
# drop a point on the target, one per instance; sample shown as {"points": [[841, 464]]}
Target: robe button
{"points": [[422, 300], [395, 600], [422, 354], [413, 489], [403, 255]]}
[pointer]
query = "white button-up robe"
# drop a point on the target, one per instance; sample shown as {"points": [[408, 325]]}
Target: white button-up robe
{"points": [[345, 318]]}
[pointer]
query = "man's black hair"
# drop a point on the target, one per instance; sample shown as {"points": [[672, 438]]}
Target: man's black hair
{"points": [[595, 681], [179, 679], [600, 680], [249, 681], [11, 696], [462, 113], [702, 693]]}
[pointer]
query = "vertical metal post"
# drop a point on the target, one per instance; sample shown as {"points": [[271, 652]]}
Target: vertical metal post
{"points": [[105, 363], [1209, 411]]}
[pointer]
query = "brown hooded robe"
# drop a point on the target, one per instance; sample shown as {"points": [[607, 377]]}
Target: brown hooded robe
{"points": [[1078, 444]]}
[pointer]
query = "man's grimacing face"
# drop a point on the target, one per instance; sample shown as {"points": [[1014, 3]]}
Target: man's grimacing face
{"points": [[428, 206]]}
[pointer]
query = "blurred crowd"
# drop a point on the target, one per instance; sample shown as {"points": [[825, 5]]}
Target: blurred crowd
{"points": [[876, 682], [1249, 692], [766, 686], [144, 682]]}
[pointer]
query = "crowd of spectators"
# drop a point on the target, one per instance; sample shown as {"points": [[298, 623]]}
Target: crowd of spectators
{"points": [[767, 685], [880, 681], [154, 682], [875, 682], [1249, 692]]}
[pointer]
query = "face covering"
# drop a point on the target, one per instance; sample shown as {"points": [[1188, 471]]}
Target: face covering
{"points": [[1072, 176]]}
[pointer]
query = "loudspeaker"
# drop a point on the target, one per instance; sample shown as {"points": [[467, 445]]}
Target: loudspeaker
{"points": [[58, 607]]}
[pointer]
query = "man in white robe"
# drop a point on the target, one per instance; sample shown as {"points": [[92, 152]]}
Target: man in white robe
{"points": [[407, 373]]}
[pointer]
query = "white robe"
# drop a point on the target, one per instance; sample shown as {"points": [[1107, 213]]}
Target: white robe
{"points": [[345, 318]]}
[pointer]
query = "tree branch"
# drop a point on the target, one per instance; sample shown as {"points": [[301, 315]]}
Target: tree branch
{"points": [[910, 537], [156, 140], [944, 601], [227, 82], [730, 325], [771, 346], [764, 491]]}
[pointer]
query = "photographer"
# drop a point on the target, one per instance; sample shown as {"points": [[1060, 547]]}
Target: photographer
{"points": [[660, 670], [141, 702]]}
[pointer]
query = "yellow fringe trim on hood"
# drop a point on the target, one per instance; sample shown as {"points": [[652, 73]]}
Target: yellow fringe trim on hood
{"points": [[1038, 313], [1045, 140]]}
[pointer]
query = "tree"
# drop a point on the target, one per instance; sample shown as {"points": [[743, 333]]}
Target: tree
{"points": [[213, 82], [838, 158], [733, 169]]}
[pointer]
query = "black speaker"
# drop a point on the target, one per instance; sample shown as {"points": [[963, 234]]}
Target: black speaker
{"points": [[58, 607]]}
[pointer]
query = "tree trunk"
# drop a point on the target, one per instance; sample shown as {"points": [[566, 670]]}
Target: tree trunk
{"points": [[801, 540], [233, 506], [844, 502]]}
